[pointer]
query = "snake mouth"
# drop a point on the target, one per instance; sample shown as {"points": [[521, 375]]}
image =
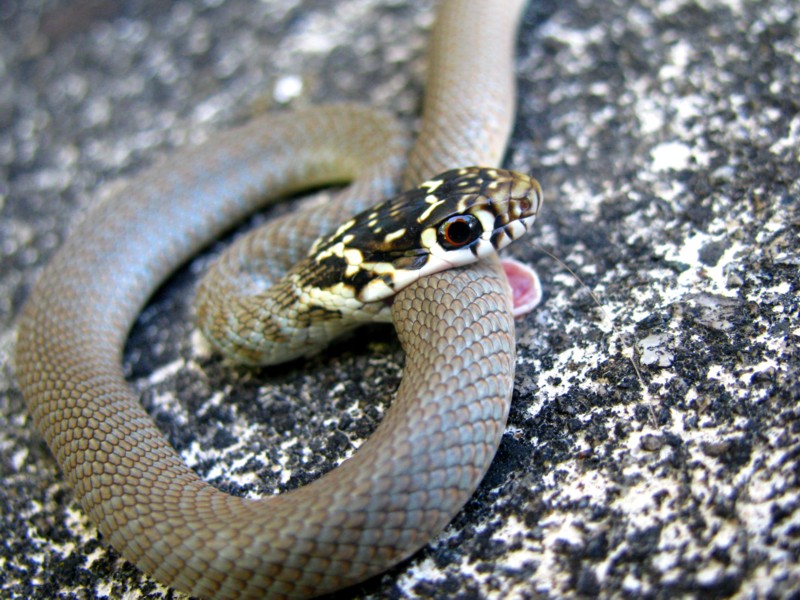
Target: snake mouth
{"points": [[503, 236]]}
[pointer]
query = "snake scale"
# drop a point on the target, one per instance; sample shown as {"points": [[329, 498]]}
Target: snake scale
{"points": [[435, 443]]}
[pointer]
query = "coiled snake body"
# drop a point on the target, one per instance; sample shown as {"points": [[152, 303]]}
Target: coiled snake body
{"points": [[434, 445]]}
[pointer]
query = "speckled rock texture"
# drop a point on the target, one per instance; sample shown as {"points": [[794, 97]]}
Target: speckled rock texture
{"points": [[653, 447]]}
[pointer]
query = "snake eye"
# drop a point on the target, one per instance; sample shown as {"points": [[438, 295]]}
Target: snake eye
{"points": [[459, 231]]}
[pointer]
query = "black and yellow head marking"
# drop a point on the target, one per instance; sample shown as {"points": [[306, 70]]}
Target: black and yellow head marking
{"points": [[448, 221]]}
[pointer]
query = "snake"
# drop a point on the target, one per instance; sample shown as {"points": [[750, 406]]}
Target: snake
{"points": [[432, 448]]}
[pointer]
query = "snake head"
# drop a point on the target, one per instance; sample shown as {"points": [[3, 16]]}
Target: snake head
{"points": [[449, 221]]}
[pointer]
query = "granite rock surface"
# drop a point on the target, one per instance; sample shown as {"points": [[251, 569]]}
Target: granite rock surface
{"points": [[653, 447]]}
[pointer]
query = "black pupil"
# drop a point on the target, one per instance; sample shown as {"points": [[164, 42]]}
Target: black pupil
{"points": [[458, 231]]}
